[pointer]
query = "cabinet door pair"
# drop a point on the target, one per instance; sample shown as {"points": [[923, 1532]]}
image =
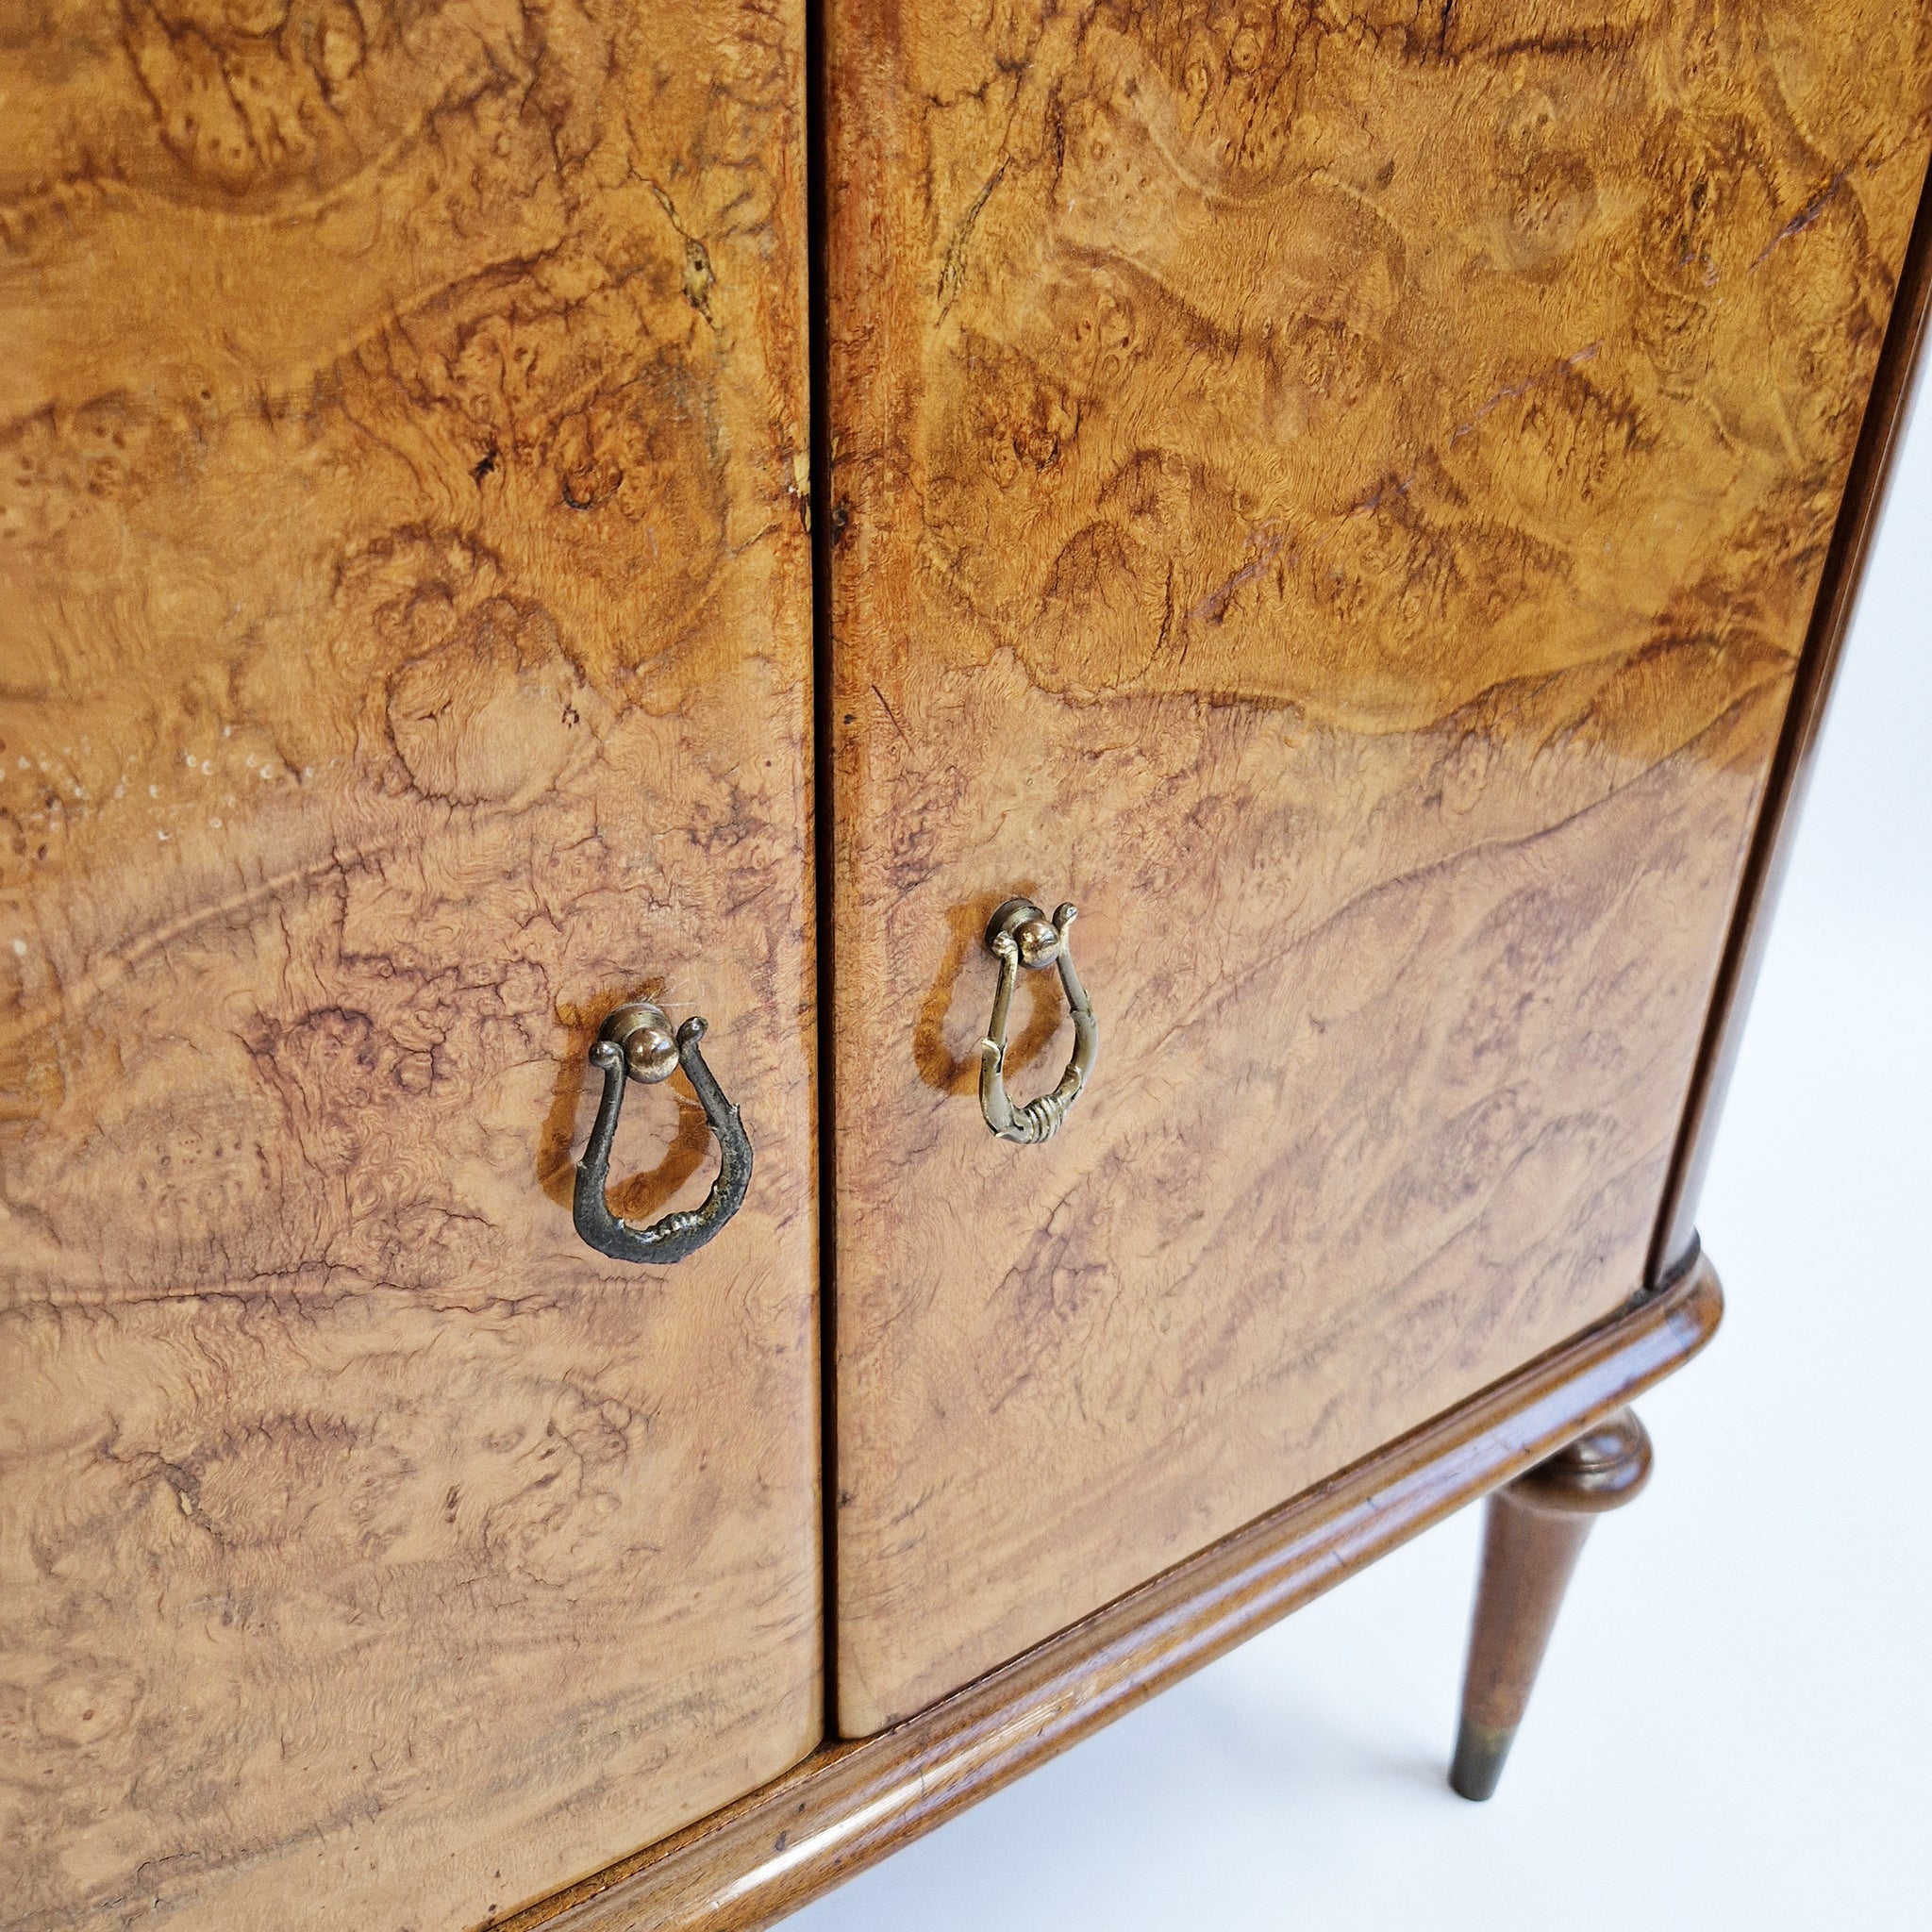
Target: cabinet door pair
{"points": [[1336, 497]]}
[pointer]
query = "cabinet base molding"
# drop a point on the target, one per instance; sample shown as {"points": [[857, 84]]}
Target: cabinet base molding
{"points": [[849, 1805]]}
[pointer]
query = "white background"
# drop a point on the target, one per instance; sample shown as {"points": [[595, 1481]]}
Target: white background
{"points": [[1733, 1724]]}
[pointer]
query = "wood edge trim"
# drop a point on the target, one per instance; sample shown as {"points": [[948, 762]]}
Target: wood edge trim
{"points": [[821, 806], [850, 1803], [1887, 411]]}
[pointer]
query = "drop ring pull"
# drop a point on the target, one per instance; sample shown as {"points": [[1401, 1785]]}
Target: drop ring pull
{"points": [[635, 1043], [1019, 936]]}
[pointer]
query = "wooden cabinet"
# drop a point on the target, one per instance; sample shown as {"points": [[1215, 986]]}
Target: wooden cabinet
{"points": [[512, 512], [406, 642]]}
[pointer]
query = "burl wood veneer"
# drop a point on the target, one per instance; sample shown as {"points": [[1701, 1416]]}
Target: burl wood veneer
{"points": [[1337, 493], [404, 608]]}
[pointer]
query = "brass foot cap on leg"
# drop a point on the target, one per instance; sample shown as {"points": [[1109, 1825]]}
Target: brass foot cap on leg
{"points": [[1481, 1753]]}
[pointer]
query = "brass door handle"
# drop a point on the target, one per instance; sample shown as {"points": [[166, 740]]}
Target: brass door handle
{"points": [[1019, 934], [635, 1043]]}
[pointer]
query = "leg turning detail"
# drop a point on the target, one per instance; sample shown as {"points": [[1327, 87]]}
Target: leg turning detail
{"points": [[1534, 1533]]}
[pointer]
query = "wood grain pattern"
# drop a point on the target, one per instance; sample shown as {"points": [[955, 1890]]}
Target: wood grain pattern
{"points": [[1338, 491], [406, 593], [852, 1804]]}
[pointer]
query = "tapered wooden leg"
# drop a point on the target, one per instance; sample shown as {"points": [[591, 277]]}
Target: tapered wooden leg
{"points": [[1531, 1541]]}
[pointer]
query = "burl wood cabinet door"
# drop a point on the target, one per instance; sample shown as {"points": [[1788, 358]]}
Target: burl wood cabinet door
{"points": [[405, 610], [1336, 493]]}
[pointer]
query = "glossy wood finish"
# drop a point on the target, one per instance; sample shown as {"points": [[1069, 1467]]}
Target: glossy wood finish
{"points": [[854, 1802], [1900, 366], [407, 632], [1533, 1533], [1339, 500]]}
